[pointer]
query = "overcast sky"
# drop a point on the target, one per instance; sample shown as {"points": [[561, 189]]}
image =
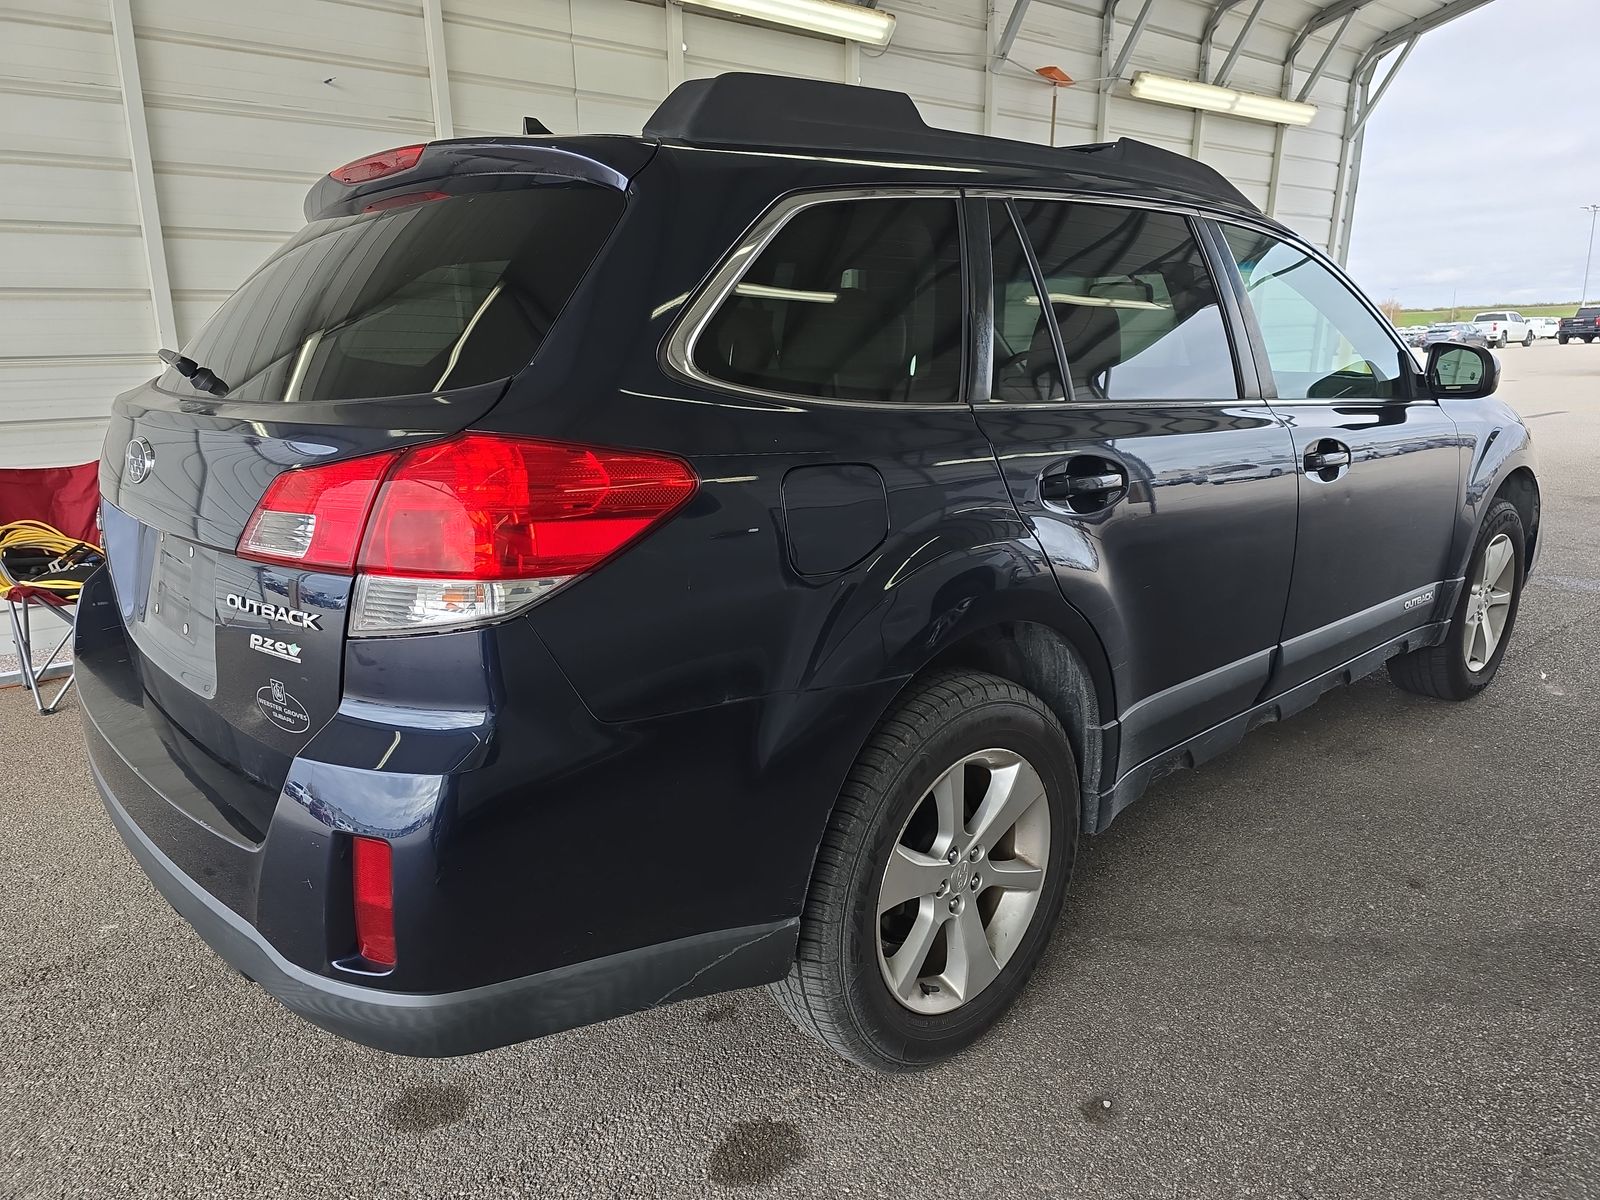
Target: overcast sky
{"points": [[1480, 157]]}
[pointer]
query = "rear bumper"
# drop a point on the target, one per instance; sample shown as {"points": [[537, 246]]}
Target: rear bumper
{"points": [[481, 1018]]}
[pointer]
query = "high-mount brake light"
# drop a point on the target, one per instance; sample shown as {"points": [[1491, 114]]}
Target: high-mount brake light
{"points": [[376, 166], [405, 201], [465, 530]]}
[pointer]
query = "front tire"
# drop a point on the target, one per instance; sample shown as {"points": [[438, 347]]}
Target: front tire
{"points": [[1528, 341], [940, 877], [1480, 629]]}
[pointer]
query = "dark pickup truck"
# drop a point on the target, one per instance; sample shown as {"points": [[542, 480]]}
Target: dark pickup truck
{"points": [[1584, 325]]}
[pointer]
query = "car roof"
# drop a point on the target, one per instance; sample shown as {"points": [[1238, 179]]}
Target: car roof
{"points": [[742, 110]]}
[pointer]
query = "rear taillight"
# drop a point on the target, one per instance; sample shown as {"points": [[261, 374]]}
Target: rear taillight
{"points": [[372, 876], [376, 166], [465, 530], [314, 517]]}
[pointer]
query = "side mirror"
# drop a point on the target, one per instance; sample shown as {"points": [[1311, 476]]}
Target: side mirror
{"points": [[1462, 372]]}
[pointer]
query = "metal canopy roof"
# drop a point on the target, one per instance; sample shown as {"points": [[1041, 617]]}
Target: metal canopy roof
{"points": [[1326, 40]]}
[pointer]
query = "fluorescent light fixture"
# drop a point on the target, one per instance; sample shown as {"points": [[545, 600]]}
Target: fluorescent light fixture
{"points": [[831, 17], [764, 291], [1097, 301], [1186, 93]]}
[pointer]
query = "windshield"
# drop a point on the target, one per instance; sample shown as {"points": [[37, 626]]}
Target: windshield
{"points": [[428, 297]]}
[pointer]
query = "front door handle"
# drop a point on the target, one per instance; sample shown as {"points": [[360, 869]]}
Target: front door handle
{"points": [[1327, 458]]}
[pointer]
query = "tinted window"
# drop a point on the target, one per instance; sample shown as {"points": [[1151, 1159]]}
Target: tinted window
{"points": [[1025, 366], [1322, 342], [1134, 302], [424, 298], [851, 300]]}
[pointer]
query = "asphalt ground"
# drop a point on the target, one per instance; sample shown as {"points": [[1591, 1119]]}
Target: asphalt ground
{"points": [[1357, 956]]}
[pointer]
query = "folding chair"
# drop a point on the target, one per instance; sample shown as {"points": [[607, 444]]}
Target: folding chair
{"points": [[20, 601], [47, 549]]}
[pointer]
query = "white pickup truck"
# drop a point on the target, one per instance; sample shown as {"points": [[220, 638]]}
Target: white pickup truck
{"points": [[1499, 328]]}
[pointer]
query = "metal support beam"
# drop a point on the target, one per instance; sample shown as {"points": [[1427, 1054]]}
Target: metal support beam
{"points": [[1238, 43], [1440, 16], [1353, 97], [991, 42], [1009, 35], [1340, 10], [1371, 103], [675, 46], [1108, 25], [1321, 68], [144, 176], [444, 125], [1132, 40]]}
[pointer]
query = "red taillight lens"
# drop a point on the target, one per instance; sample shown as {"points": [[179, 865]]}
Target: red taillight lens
{"points": [[484, 507], [372, 873], [314, 516], [463, 531], [376, 166]]}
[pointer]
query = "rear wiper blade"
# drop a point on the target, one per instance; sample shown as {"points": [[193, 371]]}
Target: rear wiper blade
{"points": [[203, 378]]}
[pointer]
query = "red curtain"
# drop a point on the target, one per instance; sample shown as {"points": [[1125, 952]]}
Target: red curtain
{"points": [[65, 497]]}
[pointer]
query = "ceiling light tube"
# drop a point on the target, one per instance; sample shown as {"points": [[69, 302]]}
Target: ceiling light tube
{"points": [[1186, 93], [831, 17]]}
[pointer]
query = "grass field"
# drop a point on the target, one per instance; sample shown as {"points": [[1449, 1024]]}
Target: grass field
{"points": [[1427, 316]]}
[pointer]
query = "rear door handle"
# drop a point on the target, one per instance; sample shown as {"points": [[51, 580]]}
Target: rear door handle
{"points": [[1083, 483]]}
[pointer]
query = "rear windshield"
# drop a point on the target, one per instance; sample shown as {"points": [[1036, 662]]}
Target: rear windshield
{"points": [[1589, 312], [428, 297], [1490, 317]]}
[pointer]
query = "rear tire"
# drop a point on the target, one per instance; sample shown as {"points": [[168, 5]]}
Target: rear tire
{"points": [[1561, 339], [1463, 664], [1528, 341], [899, 985]]}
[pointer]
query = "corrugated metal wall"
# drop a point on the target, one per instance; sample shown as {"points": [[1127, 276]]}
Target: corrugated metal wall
{"points": [[247, 104]]}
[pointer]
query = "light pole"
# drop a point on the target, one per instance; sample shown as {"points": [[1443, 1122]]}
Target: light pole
{"points": [[1593, 210]]}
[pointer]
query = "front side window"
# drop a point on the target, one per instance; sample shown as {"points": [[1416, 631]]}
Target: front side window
{"points": [[1322, 342], [1134, 301], [850, 300]]}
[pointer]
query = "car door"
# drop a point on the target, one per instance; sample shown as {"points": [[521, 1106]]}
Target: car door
{"points": [[1379, 460], [1160, 485]]}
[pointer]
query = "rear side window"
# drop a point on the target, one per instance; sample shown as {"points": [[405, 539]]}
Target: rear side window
{"points": [[1134, 301], [1024, 361], [850, 300], [424, 298]]}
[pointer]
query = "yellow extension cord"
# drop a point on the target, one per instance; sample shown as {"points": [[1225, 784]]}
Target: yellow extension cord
{"points": [[36, 535]]}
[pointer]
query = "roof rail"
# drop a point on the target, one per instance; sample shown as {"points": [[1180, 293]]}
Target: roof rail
{"points": [[746, 109]]}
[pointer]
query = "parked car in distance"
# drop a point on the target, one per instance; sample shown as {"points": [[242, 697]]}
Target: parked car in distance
{"points": [[576, 574], [1416, 336], [1504, 327], [1454, 331], [1545, 327], [1582, 326]]}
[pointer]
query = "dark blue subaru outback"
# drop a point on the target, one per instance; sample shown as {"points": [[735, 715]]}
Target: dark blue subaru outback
{"points": [[579, 573]]}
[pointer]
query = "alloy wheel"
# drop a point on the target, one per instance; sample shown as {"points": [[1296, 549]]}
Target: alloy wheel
{"points": [[1489, 603], [963, 880]]}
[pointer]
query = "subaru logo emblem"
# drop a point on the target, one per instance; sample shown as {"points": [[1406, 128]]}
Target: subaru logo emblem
{"points": [[141, 458]]}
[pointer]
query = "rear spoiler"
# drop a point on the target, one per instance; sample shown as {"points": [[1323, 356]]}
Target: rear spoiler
{"points": [[482, 164]]}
